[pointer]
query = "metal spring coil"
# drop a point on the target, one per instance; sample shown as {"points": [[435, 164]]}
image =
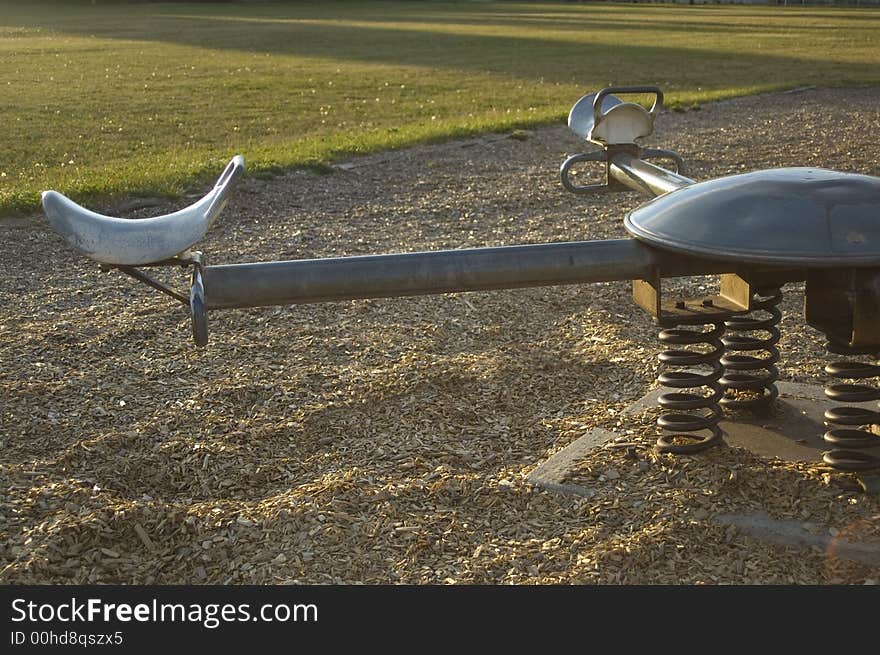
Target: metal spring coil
{"points": [[848, 441], [756, 375], [690, 412]]}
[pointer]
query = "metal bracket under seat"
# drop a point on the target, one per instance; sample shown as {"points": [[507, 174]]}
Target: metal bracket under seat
{"points": [[135, 242], [194, 300]]}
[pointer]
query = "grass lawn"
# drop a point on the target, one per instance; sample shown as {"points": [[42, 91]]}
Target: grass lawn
{"points": [[150, 98]]}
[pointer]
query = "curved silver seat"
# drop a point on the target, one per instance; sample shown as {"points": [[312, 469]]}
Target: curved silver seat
{"points": [[134, 242], [604, 118]]}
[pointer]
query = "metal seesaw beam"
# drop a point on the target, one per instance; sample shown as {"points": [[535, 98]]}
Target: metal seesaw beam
{"points": [[645, 177], [443, 271]]}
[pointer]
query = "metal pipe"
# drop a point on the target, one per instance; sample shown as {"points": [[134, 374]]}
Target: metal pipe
{"points": [[419, 273], [645, 177]]}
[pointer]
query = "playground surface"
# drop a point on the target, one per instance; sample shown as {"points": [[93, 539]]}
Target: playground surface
{"points": [[389, 441]]}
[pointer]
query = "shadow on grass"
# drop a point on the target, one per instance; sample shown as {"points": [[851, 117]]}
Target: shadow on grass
{"points": [[561, 61]]}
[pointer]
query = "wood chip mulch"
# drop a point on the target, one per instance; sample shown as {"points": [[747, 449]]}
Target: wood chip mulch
{"points": [[387, 441]]}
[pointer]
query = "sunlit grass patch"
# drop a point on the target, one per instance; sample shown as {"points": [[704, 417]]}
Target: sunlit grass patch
{"points": [[106, 100]]}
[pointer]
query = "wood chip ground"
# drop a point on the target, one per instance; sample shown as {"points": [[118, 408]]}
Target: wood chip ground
{"points": [[387, 441]]}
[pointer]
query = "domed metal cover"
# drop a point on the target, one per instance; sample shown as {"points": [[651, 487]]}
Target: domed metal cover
{"points": [[785, 216]]}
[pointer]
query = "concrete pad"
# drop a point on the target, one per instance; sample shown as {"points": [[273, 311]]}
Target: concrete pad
{"points": [[793, 432], [793, 533], [552, 473]]}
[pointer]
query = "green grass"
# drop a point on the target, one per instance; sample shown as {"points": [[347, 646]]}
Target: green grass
{"points": [[105, 100]]}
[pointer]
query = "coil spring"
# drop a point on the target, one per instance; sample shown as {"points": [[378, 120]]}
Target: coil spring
{"points": [[856, 434], [690, 412], [752, 375]]}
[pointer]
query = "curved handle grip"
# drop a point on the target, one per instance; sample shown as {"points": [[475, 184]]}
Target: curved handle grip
{"points": [[669, 155], [608, 90], [127, 242], [599, 155]]}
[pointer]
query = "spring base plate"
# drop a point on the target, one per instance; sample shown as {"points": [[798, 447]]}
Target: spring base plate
{"points": [[792, 431]]}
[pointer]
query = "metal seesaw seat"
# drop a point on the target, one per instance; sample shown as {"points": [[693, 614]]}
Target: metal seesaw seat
{"points": [[126, 242], [759, 230]]}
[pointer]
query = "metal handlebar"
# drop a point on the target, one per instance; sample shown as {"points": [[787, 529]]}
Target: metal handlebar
{"points": [[609, 90], [598, 155]]}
